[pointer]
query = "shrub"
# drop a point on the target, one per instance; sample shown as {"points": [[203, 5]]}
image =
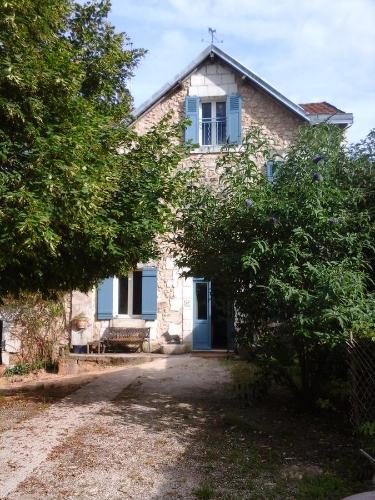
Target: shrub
{"points": [[294, 255], [19, 369]]}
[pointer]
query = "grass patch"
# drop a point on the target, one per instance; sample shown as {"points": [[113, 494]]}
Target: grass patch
{"points": [[322, 487], [204, 492], [269, 449], [250, 382]]}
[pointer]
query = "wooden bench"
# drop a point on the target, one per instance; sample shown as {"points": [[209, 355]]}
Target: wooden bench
{"points": [[95, 346], [117, 337]]}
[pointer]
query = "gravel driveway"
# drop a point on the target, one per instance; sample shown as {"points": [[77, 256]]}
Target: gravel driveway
{"points": [[134, 433]]}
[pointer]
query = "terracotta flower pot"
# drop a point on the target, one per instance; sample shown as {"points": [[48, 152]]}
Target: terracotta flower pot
{"points": [[81, 324]]}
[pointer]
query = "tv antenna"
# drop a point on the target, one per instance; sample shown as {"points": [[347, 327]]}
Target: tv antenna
{"points": [[213, 36]]}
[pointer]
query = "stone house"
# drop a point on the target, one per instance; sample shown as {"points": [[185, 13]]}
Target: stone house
{"points": [[222, 99]]}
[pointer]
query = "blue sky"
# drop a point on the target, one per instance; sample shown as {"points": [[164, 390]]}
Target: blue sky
{"points": [[309, 50]]}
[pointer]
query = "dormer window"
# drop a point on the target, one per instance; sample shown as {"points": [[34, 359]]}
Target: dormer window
{"points": [[214, 122]]}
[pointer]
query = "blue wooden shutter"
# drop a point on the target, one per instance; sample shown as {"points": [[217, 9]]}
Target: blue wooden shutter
{"points": [[234, 119], [149, 293], [104, 293], [191, 112], [269, 170]]}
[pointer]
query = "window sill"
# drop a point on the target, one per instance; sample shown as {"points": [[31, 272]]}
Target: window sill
{"points": [[211, 149], [127, 316], [127, 322]]}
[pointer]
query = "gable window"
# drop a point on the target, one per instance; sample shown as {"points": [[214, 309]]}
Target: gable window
{"points": [[214, 123]]}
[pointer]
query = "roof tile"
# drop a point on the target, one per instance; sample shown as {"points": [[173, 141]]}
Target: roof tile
{"points": [[320, 108]]}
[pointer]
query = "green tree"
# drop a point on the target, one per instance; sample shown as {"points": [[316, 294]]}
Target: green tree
{"points": [[294, 254], [82, 196]]}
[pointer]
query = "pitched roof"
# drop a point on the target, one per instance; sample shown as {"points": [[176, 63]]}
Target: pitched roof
{"points": [[213, 50], [311, 112], [318, 108]]}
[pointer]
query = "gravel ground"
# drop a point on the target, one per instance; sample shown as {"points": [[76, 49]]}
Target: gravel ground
{"points": [[21, 400], [136, 433]]}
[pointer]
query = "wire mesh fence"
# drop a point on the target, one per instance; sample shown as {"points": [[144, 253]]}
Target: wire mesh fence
{"points": [[362, 380]]}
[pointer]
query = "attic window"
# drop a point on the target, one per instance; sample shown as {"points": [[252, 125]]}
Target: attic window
{"points": [[213, 123]]}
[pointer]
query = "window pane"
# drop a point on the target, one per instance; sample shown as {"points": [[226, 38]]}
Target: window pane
{"points": [[221, 110], [123, 287], [206, 133], [202, 299], [206, 123], [221, 123], [206, 110], [137, 292]]}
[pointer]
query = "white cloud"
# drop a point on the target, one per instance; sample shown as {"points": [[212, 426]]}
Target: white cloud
{"points": [[308, 49]]}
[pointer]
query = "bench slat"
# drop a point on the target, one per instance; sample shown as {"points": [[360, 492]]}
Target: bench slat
{"points": [[125, 336]]}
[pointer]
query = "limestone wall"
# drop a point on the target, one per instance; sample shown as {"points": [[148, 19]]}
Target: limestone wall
{"points": [[174, 309], [217, 80], [175, 302], [9, 346], [212, 80], [175, 294], [83, 303], [278, 123]]}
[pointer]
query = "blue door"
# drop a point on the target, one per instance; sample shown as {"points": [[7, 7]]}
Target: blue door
{"points": [[202, 314]]}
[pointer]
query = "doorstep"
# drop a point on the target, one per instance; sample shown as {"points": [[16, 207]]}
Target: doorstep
{"points": [[74, 364]]}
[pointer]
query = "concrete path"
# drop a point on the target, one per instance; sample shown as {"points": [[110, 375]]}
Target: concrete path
{"points": [[116, 418]]}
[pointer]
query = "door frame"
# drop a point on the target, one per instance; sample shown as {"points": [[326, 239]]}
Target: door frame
{"points": [[197, 322]]}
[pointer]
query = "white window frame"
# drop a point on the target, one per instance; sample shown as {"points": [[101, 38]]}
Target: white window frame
{"points": [[213, 101], [130, 298]]}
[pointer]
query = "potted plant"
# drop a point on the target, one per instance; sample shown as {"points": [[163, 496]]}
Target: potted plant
{"points": [[80, 321]]}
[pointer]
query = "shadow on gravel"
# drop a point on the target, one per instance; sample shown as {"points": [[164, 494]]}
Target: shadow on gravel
{"points": [[184, 405], [265, 451], [48, 391], [18, 404], [176, 432]]}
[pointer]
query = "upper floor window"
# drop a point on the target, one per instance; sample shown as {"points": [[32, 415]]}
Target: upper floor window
{"points": [[214, 122]]}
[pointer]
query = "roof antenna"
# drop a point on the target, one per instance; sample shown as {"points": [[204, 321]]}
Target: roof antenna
{"points": [[214, 38]]}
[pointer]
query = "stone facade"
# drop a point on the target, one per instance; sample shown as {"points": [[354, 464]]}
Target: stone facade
{"points": [[218, 80], [174, 310], [210, 80], [10, 345], [175, 294]]}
